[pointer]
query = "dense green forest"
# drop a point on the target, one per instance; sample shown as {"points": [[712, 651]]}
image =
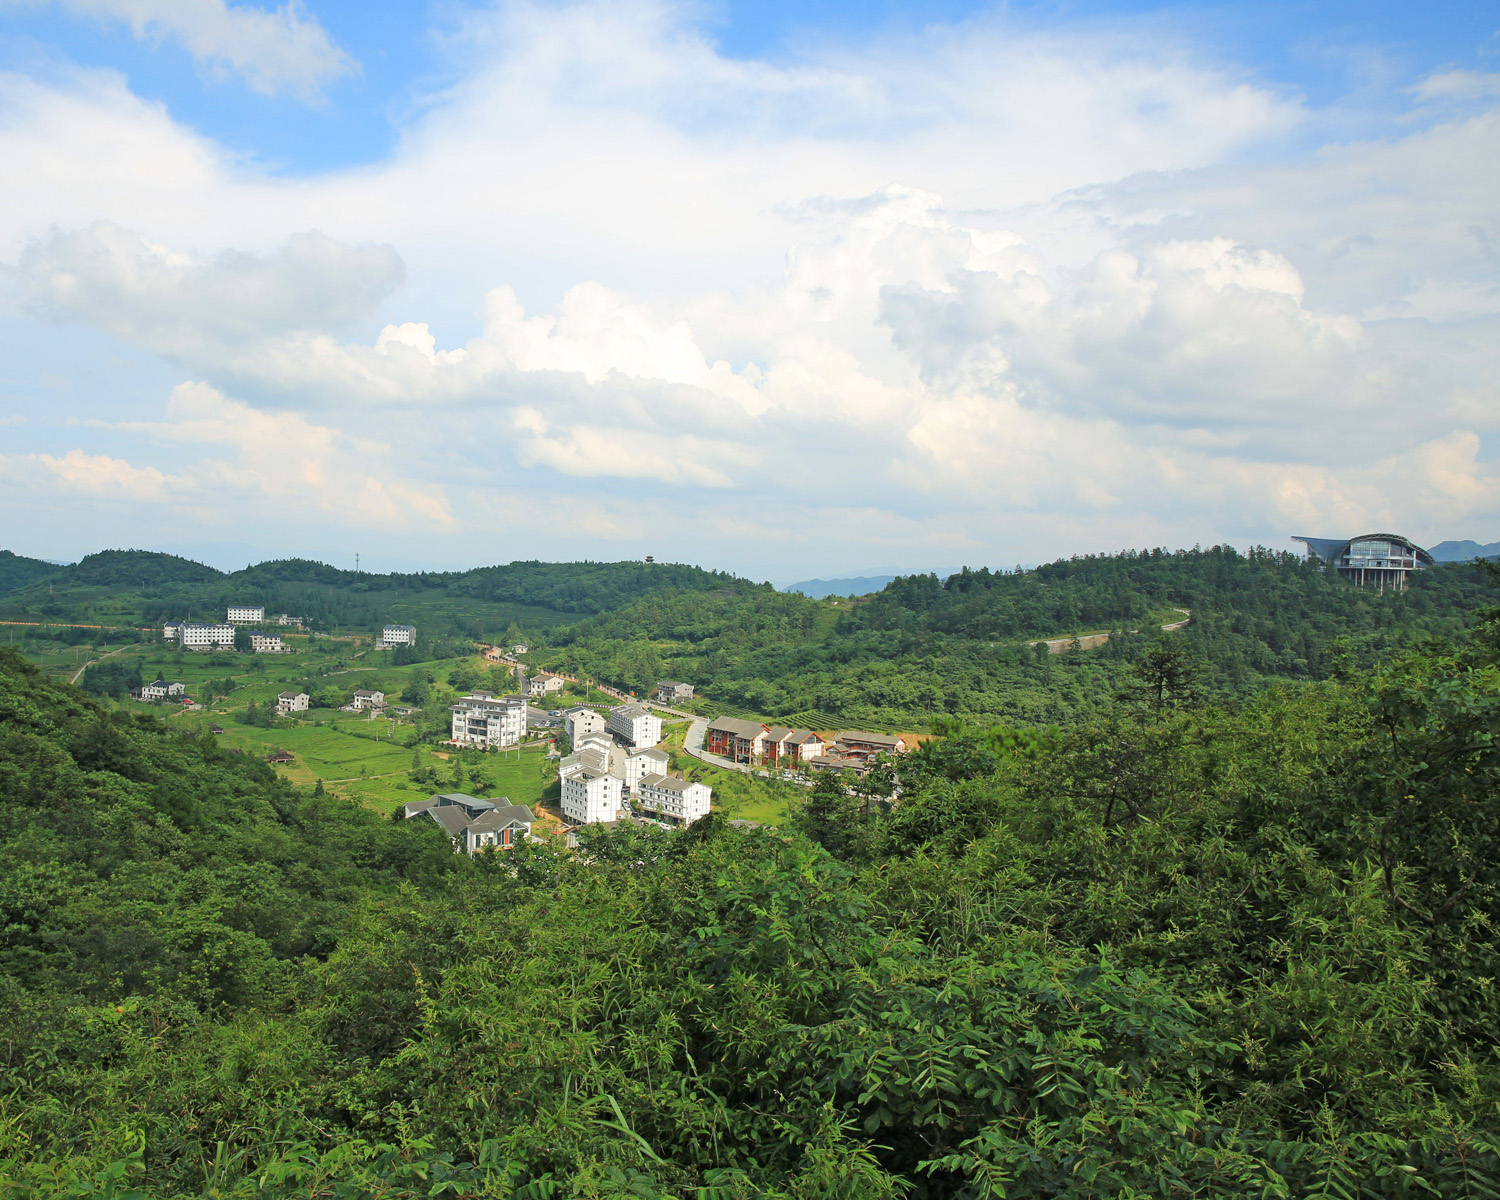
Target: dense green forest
{"points": [[138, 587], [924, 647], [1174, 950]]}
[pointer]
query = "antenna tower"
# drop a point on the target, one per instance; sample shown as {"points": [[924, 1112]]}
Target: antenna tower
{"points": [[356, 562]]}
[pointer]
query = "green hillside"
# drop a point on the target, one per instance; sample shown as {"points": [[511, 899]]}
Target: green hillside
{"points": [[1174, 951], [16, 572], [925, 647]]}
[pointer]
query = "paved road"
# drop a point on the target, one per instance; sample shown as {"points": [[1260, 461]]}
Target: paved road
{"points": [[1090, 640], [92, 661]]}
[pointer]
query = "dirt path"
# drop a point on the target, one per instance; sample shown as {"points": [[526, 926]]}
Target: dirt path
{"points": [[92, 661]]}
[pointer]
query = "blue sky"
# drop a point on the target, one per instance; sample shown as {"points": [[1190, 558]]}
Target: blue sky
{"points": [[787, 289]]}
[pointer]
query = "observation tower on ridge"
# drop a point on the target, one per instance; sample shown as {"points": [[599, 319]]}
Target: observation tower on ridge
{"points": [[1370, 560]]}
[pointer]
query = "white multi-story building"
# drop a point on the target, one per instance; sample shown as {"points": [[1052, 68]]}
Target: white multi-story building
{"points": [[637, 764], [285, 619], [171, 631], [364, 700], [268, 643], [246, 614], [673, 799], [589, 796], [397, 635], [486, 720], [205, 637], [580, 722], [289, 702], [635, 724]]}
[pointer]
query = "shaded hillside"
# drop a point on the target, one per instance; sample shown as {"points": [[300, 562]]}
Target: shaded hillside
{"points": [[16, 571]]}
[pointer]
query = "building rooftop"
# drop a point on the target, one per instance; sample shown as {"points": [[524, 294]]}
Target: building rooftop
{"points": [[668, 782], [738, 726], [630, 711]]}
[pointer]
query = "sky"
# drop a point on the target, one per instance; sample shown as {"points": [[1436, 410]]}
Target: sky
{"points": [[793, 290]]}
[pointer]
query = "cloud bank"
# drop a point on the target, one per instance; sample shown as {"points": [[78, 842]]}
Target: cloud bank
{"points": [[1000, 293]]}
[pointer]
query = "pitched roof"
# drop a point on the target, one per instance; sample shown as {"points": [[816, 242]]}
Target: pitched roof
{"points": [[778, 733], [738, 727], [652, 753], [800, 737], [413, 807], [668, 783], [631, 711], [499, 818], [454, 820], [870, 739]]}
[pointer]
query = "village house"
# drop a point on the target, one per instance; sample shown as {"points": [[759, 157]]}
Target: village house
{"points": [[635, 724], [669, 691], [290, 702], [833, 762], [268, 643], [483, 719], [366, 700], [246, 614], [671, 799], [158, 690], [520, 648], [804, 744], [855, 744], [474, 824], [284, 619], [281, 756], [736, 739], [544, 685]]}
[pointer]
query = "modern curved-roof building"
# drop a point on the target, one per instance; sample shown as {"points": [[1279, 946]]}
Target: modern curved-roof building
{"points": [[1374, 559]]}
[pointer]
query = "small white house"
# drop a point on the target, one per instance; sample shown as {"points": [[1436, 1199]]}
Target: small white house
{"points": [[246, 614], [544, 685], [669, 691], [364, 700], [635, 724], [290, 702], [268, 643], [158, 690]]}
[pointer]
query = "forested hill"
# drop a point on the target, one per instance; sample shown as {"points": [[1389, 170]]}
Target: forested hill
{"points": [[137, 587], [1177, 951], [17, 572], [924, 647]]}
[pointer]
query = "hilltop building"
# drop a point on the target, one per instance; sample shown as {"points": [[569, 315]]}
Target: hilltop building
{"points": [[1370, 560], [246, 614], [483, 719]]}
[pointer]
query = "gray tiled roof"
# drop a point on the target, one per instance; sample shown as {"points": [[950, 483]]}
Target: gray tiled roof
{"points": [[668, 783], [738, 727]]}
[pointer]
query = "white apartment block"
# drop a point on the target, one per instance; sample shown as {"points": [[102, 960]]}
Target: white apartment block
{"points": [[398, 635], [268, 643], [673, 799], [486, 720], [635, 724], [590, 796], [246, 614], [638, 764], [205, 637], [292, 702], [580, 722]]}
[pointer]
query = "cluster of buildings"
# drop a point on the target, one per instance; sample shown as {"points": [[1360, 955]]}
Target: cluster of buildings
{"points": [[615, 770], [219, 635], [473, 824], [754, 742]]}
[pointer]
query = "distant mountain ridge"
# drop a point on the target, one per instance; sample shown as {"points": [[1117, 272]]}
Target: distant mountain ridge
{"points": [[1465, 551], [821, 589]]}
